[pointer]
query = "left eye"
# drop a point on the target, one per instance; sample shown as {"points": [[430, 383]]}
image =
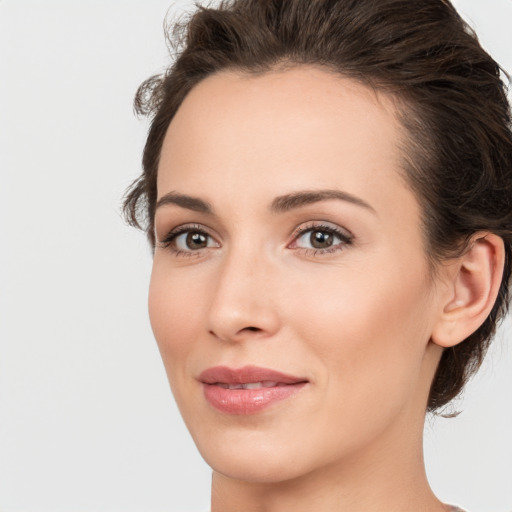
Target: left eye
{"points": [[320, 238]]}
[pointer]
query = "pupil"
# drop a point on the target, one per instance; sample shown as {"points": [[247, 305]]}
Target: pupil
{"points": [[196, 241], [321, 239]]}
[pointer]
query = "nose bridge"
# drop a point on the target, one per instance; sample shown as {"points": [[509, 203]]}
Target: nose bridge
{"points": [[242, 304]]}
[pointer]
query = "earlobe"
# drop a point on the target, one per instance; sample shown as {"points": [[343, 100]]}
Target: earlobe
{"points": [[474, 285]]}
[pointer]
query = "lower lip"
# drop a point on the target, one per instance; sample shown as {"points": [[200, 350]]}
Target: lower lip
{"points": [[248, 401]]}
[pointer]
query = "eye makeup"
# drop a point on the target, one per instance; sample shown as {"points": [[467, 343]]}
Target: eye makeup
{"points": [[314, 238], [317, 238], [188, 240]]}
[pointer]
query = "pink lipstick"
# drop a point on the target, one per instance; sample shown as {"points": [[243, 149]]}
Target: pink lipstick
{"points": [[247, 390]]}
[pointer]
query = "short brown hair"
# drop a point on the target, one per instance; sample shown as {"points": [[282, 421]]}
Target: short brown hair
{"points": [[458, 158]]}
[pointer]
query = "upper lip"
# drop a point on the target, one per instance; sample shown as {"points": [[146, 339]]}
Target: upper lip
{"points": [[245, 375]]}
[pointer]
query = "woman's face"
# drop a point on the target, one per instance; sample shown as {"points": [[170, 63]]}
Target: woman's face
{"points": [[288, 242]]}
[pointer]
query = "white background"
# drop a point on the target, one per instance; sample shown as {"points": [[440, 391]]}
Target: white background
{"points": [[87, 423]]}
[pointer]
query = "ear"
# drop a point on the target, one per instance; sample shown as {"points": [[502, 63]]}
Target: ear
{"points": [[473, 285]]}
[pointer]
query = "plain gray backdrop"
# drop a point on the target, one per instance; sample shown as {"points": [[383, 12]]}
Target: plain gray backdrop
{"points": [[87, 422]]}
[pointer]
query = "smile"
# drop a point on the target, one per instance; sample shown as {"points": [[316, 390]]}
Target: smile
{"points": [[250, 385], [247, 390]]}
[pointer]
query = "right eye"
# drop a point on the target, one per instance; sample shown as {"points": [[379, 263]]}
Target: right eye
{"points": [[188, 239]]}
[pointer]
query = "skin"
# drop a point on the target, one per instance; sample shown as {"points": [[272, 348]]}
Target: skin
{"points": [[357, 321]]}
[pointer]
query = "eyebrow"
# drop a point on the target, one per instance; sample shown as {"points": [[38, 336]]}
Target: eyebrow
{"points": [[280, 204], [189, 202], [298, 199]]}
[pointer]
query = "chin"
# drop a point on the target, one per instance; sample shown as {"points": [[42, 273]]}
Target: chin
{"points": [[252, 455], [255, 467], [269, 452]]}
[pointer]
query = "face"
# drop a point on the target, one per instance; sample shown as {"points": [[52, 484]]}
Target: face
{"points": [[290, 297]]}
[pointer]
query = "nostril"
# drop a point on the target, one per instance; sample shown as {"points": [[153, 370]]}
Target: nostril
{"points": [[245, 329]]}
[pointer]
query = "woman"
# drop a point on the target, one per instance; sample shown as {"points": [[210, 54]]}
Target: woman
{"points": [[327, 190]]}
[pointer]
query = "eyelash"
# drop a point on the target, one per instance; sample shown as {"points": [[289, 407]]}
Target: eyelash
{"points": [[170, 238], [344, 237]]}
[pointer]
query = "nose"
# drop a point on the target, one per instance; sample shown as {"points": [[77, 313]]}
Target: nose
{"points": [[244, 304]]}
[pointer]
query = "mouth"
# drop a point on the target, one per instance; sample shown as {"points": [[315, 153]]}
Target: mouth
{"points": [[247, 390], [250, 385]]}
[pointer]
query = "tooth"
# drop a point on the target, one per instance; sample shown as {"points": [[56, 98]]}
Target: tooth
{"points": [[249, 385], [253, 385]]}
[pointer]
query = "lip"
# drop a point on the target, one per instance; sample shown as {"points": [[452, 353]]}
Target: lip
{"points": [[277, 386]]}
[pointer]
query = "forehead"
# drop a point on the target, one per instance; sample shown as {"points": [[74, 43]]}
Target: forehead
{"points": [[300, 128]]}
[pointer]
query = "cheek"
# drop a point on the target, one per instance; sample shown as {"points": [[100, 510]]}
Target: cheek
{"points": [[369, 330], [175, 314]]}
